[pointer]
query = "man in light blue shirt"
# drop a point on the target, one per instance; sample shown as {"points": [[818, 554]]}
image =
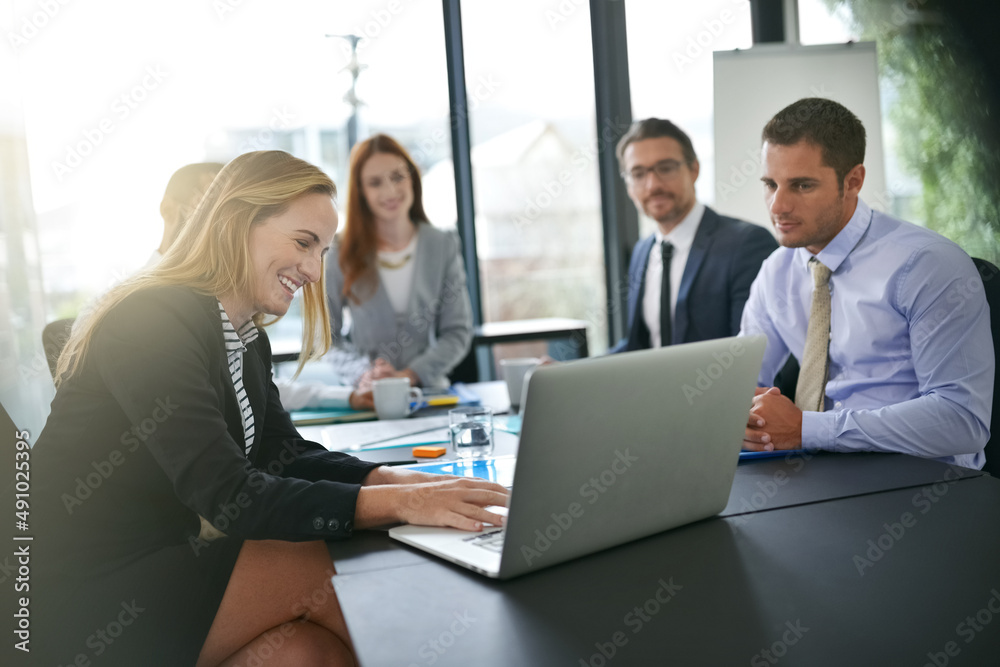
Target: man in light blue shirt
{"points": [[911, 362]]}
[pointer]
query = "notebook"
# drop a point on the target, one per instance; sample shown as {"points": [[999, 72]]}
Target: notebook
{"points": [[318, 416], [455, 395]]}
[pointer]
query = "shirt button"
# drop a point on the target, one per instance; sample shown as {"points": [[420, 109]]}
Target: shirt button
{"points": [[348, 525], [318, 523], [333, 524], [838, 404]]}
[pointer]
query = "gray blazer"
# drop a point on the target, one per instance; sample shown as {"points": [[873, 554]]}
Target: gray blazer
{"points": [[434, 334]]}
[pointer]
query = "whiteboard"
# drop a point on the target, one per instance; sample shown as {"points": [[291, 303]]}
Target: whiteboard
{"points": [[754, 84]]}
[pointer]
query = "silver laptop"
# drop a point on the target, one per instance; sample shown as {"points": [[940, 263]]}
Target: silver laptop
{"points": [[614, 449]]}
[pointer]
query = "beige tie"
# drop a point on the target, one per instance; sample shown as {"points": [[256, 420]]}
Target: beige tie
{"points": [[811, 387]]}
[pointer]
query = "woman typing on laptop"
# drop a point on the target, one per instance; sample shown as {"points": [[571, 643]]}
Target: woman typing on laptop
{"points": [[181, 518]]}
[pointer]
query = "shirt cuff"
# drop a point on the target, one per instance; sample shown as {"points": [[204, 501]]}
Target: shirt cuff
{"points": [[817, 430], [334, 396]]}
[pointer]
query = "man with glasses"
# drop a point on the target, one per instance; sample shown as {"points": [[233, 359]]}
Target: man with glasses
{"points": [[687, 281]]}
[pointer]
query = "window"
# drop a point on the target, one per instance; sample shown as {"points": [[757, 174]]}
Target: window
{"points": [[538, 222], [670, 49], [207, 81], [402, 90], [819, 23]]}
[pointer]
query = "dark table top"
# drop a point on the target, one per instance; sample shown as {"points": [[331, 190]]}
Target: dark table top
{"points": [[853, 559]]}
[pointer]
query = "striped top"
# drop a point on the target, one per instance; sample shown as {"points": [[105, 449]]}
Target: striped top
{"points": [[236, 345]]}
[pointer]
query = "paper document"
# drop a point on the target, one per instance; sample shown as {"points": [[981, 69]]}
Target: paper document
{"points": [[353, 437]]}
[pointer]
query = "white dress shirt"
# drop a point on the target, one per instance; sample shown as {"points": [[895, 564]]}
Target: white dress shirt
{"points": [[398, 282], [681, 237]]}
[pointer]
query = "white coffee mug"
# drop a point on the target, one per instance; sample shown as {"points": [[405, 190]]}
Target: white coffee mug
{"points": [[393, 397], [513, 372]]}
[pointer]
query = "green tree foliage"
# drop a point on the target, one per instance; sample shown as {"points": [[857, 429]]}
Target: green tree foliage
{"points": [[943, 115]]}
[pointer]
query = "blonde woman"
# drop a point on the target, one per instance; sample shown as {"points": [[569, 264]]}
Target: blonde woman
{"points": [[181, 518]]}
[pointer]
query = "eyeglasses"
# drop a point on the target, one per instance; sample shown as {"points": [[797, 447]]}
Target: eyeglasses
{"points": [[663, 170]]}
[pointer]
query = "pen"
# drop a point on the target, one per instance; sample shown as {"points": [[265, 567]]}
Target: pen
{"points": [[371, 445], [397, 463]]}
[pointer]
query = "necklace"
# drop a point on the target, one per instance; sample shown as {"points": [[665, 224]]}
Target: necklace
{"points": [[386, 264]]}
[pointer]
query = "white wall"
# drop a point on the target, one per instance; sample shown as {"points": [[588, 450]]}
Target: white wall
{"points": [[752, 85]]}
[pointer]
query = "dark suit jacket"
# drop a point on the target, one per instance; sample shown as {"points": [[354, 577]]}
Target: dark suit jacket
{"points": [[148, 435], [724, 260]]}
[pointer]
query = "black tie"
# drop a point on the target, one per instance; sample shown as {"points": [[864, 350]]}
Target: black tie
{"points": [[666, 329]]}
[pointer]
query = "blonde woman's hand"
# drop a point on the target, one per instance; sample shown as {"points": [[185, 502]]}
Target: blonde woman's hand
{"points": [[455, 502]]}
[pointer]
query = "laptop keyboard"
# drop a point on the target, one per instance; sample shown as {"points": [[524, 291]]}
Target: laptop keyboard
{"points": [[492, 540]]}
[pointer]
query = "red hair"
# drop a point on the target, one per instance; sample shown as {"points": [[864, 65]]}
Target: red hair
{"points": [[358, 240]]}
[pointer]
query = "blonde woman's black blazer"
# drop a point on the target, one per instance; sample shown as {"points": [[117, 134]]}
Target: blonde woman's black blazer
{"points": [[146, 437]]}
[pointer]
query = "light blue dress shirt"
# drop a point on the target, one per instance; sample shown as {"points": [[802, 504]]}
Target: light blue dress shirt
{"points": [[911, 352]]}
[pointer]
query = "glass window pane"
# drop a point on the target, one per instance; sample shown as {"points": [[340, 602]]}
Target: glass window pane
{"points": [[670, 49], [206, 81], [404, 86], [538, 221], [821, 24], [401, 90]]}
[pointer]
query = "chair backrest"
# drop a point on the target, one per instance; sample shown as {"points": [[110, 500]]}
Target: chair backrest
{"points": [[55, 335], [788, 377], [467, 369], [991, 283]]}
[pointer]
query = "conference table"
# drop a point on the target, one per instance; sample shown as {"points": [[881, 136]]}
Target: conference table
{"points": [[823, 559]]}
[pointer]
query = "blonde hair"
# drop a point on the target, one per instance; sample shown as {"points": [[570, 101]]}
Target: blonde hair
{"points": [[212, 253]]}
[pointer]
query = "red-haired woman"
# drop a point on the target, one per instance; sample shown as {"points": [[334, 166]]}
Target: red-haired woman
{"points": [[402, 279]]}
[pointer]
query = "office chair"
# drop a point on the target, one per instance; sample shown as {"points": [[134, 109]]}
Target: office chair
{"points": [[54, 338], [467, 369], [788, 377], [991, 283]]}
